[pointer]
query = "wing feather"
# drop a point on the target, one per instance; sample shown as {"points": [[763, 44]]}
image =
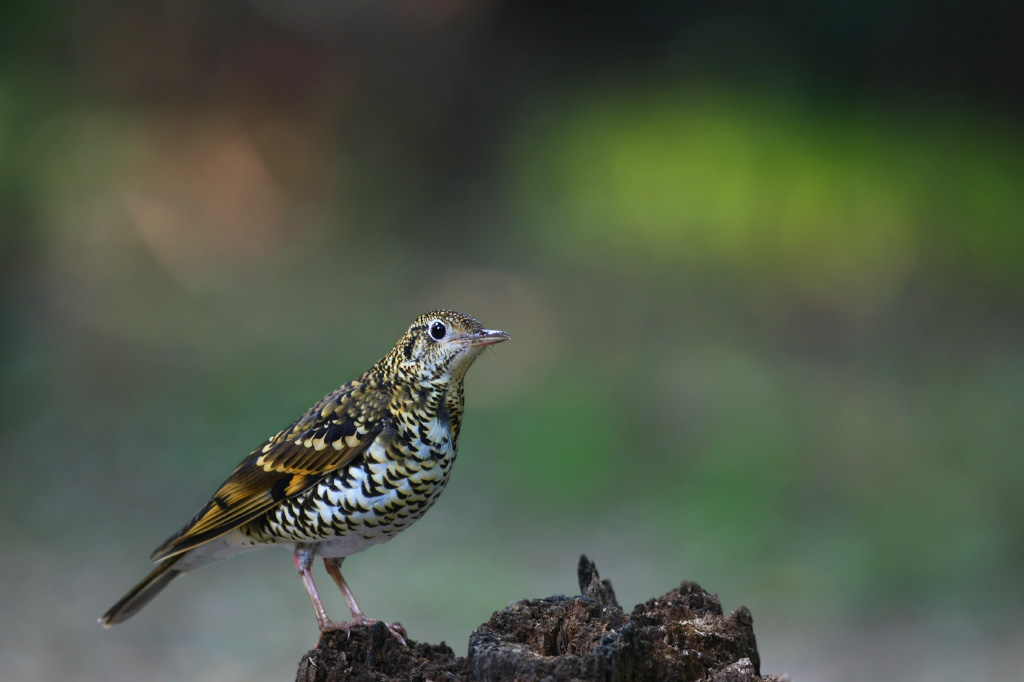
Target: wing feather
{"points": [[329, 436]]}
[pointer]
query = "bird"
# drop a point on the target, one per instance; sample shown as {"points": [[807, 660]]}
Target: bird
{"points": [[356, 469]]}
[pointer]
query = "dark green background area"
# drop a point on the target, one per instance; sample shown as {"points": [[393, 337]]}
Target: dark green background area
{"points": [[762, 268]]}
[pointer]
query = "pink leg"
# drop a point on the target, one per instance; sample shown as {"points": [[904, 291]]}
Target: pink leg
{"points": [[303, 561], [333, 567]]}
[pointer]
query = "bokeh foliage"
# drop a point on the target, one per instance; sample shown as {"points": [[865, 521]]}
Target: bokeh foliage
{"points": [[763, 285]]}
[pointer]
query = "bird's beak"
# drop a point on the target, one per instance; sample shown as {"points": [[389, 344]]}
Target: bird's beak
{"points": [[487, 337]]}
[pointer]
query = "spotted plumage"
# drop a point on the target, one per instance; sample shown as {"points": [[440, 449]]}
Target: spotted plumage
{"points": [[356, 469]]}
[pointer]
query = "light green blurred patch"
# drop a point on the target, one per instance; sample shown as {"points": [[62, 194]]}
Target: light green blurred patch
{"points": [[735, 494], [832, 204], [564, 445]]}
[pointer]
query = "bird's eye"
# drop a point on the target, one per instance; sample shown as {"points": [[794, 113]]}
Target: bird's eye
{"points": [[437, 331]]}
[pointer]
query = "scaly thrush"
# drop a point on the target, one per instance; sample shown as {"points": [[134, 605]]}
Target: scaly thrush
{"points": [[355, 470]]}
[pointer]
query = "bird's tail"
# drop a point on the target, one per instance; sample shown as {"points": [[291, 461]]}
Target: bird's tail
{"points": [[141, 594]]}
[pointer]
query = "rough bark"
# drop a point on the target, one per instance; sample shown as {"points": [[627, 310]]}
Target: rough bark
{"points": [[681, 636]]}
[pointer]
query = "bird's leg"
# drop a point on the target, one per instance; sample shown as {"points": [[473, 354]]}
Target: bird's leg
{"points": [[333, 567], [303, 563]]}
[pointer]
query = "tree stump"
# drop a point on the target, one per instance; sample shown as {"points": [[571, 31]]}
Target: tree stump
{"points": [[681, 636]]}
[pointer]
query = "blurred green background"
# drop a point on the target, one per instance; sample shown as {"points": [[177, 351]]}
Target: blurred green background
{"points": [[762, 269]]}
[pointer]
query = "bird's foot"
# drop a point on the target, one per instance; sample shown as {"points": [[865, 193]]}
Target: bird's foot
{"points": [[394, 628]]}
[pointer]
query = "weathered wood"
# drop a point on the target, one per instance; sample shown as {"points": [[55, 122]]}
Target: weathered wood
{"points": [[681, 636]]}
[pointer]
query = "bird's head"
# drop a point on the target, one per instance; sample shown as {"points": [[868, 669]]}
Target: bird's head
{"points": [[441, 345]]}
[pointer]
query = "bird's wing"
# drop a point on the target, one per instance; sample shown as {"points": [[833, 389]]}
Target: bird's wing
{"points": [[329, 436]]}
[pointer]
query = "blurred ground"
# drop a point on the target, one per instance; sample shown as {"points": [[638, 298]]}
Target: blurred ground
{"points": [[762, 270]]}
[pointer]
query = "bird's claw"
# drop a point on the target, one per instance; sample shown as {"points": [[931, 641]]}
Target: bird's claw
{"points": [[398, 631], [395, 629]]}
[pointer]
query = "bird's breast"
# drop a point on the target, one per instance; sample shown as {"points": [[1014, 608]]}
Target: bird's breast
{"points": [[393, 484]]}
